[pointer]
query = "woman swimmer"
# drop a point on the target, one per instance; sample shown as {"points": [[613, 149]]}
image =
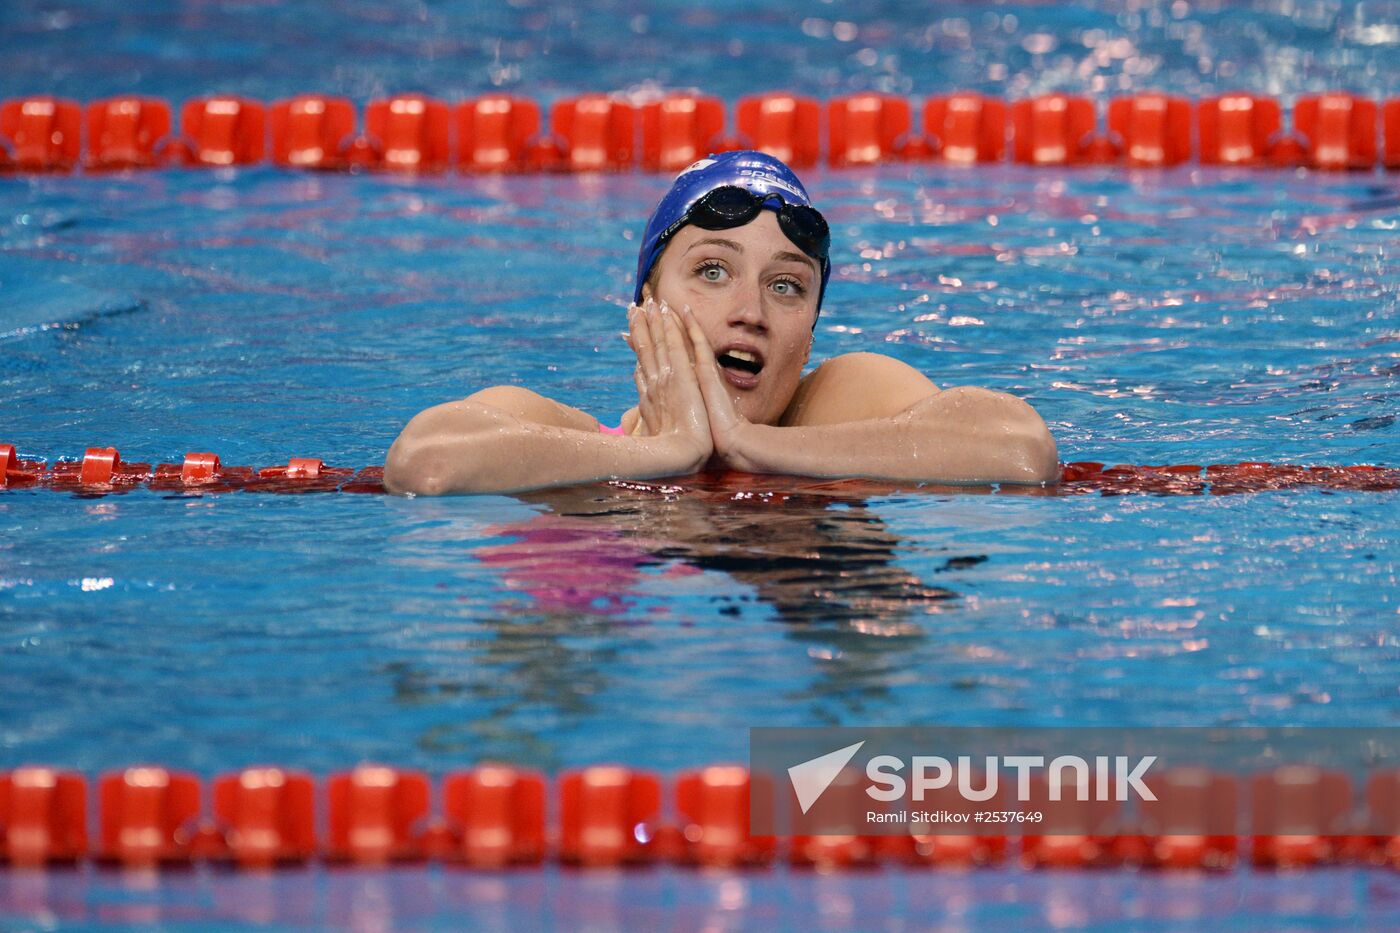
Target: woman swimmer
{"points": [[730, 281]]}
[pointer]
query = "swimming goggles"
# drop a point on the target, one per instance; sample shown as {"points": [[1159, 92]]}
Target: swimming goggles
{"points": [[730, 206]]}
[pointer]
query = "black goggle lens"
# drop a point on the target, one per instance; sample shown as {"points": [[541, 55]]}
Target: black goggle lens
{"points": [[731, 206]]}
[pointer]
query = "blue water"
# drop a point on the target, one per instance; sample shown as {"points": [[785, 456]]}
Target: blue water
{"points": [[1185, 316], [1180, 317], [454, 48], [1327, 899]]}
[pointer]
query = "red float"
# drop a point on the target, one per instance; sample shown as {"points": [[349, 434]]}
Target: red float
{"points": [[1153, 130], [42, 134], [495, 816], [1338, 130], [680, 129], [265, 817], [1390, 117], [1056, 129], [99, 466], [839, 844], [596, 133], [126, 132], [933, 845], [148, 816], [407, 133], [608, 815], [966, 128], [713, 804], [311, 131], [221, 131], [43, 817], [1382, 827], [377, 815], [867, 129], [1072, 832], [1192, 824], [1240, 129], [783, 125], [496, 133], [1299, 814]]}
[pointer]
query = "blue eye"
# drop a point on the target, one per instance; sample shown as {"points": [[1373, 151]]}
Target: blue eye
{"points": [[711, 272], [789, 288]]}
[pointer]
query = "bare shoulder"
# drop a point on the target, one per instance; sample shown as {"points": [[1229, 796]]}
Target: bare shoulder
{"points": [[857, 386], [531, 406]]}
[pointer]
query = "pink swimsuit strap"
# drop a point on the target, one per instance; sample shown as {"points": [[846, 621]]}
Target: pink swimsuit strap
{"points": [[617, 431]]}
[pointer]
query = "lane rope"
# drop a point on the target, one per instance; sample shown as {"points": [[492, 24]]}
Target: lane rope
{"points": [[102, 471], [665, 133], [497, 816]]}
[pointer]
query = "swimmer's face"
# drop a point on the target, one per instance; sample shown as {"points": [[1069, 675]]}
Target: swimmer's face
{"points": [[754, 295]]}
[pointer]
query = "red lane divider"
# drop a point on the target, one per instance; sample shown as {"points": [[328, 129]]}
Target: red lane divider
{"points": [[964, 129], [499, 133], [41, 134], [612, 132], [782, 125], [312, 131], [377, 815], [866, 129], [220, 131], [102, 471], [148, 817], [595, 133], [713, 806], [1300, 817], [1151, 129], [1176, 829], [408, 133], [1057, 130], [43, 817], [1338, 130], [498, 816], [608, 816], [495, 817], [264, 817], [1221, 478], [679, 129], [124, 132], [1390, 121]]}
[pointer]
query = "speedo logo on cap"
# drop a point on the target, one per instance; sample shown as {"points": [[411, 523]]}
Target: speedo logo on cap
{"points": [[770, 181]]}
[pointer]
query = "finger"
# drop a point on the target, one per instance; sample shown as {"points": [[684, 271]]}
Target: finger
{"points": [[706, 366], [641, 339], [657, 320], [656, 336], [677, 342], [644, 406], [699, 343]]}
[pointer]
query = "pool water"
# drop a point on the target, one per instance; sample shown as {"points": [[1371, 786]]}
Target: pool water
{"points": [[1191, 316], [1183, 316]]}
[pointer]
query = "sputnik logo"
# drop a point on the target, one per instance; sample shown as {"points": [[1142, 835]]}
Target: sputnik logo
{"points": [[811, 778]]}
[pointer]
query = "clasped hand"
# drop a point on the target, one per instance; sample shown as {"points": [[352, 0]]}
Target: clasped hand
{"points": [[680, 389]]}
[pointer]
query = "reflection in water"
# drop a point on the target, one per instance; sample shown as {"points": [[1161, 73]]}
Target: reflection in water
{"points": [[582, 571]]}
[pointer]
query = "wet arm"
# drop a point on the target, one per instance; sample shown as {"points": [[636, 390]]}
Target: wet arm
{"points": [[961, 435], [507, 439], [871, 416]]}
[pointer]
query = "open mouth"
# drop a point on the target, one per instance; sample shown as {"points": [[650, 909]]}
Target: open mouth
{"points": [[740, 362]]}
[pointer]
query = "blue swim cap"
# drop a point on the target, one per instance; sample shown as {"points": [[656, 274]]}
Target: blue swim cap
{"points": [[756, 172]]}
